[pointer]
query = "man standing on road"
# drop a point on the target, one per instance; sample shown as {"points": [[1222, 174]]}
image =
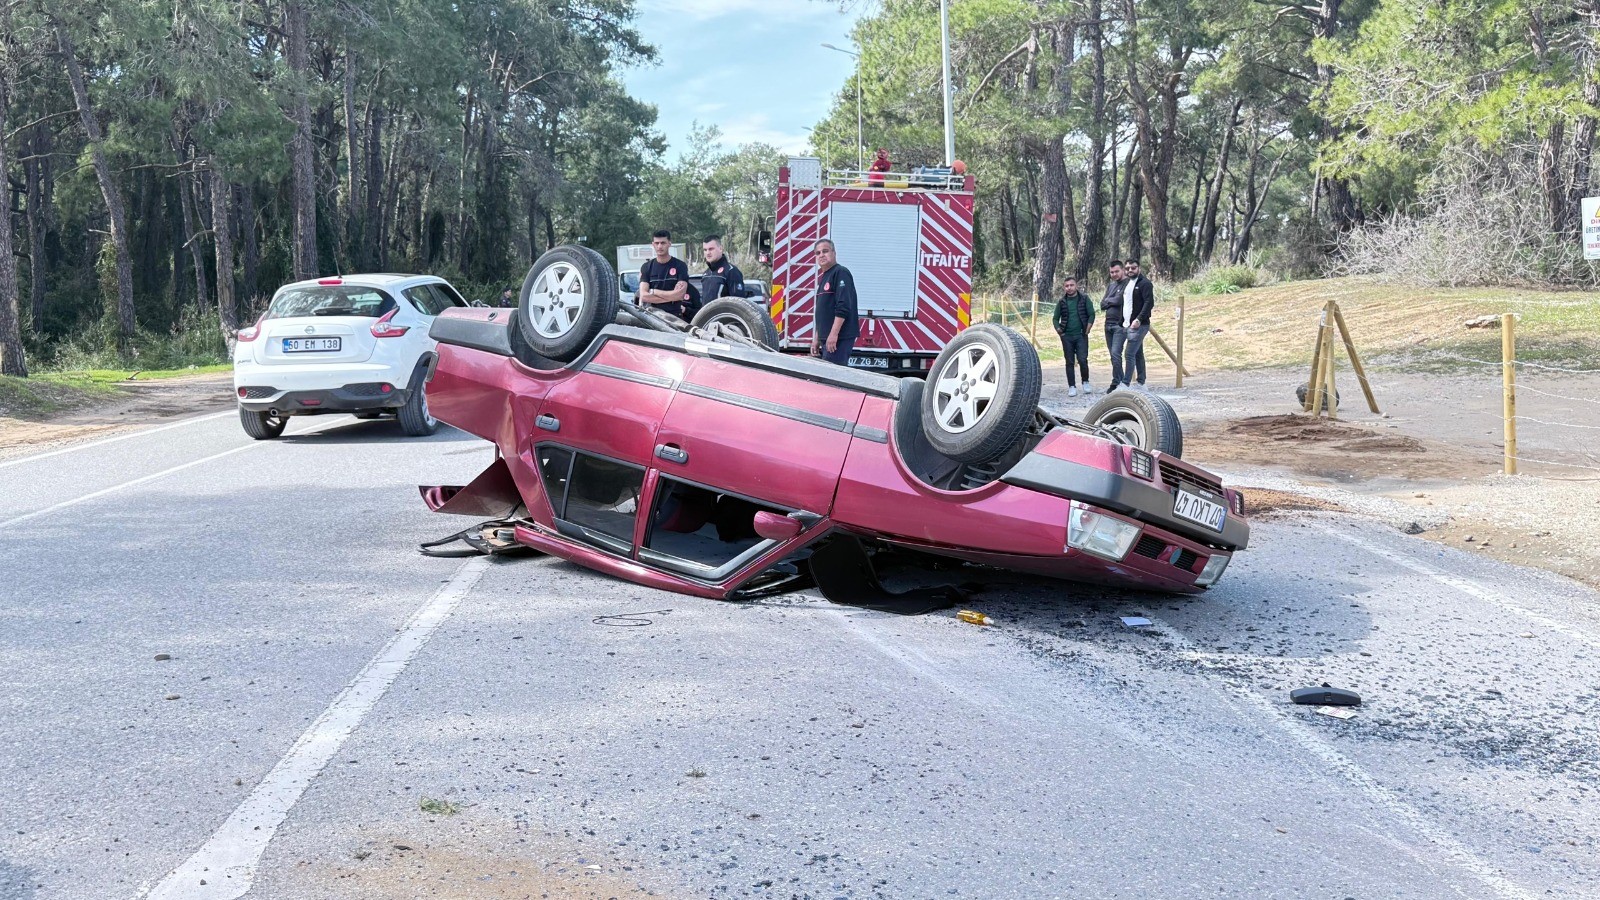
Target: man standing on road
{"points": [[664, 281], [834, 331], [1073, 317], [1116, 333], [719, 265], [508, 297], [1138, 301]]}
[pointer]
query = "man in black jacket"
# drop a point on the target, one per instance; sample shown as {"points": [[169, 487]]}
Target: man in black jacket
{"points": [[834, 330], [664, 281], [1139, 300], [1116, 333], [1073, 317], [718, 265]]}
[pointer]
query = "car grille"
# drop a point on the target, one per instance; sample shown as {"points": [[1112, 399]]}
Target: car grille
{"points": [[1185, 559], [1173, 476], [259, 392], [371, 389], [1149, 546]]}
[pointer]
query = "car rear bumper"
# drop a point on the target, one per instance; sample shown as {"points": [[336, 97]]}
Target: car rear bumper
{"points": [[348, 398]]}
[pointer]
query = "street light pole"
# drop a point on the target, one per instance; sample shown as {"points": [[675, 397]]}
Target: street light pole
{"points": [[949, 119], [859, 144]]}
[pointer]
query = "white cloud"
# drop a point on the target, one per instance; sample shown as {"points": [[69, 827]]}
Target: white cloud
{"points": [[758, 128]]}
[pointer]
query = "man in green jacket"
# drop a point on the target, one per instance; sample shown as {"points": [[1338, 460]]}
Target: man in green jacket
{"points": [[1074, 314]]}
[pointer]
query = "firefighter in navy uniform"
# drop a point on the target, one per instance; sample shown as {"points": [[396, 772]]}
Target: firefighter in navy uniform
{"points": [[718, 265], [664, 281], [837, 321]]}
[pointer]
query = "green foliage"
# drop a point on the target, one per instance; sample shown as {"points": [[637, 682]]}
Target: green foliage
{"points": [[1225, 280]]}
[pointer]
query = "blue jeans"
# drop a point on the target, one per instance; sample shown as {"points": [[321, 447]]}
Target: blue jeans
{"points": [[1133, 362], [1116, 340]]}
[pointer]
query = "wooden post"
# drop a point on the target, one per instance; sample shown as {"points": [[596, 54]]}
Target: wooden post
{"points": [[1355, 359], [1330, 392], [1316, 361], [1316, 390], [1508, 376], [1033, 325], [1167, 350], [1179, 360]]}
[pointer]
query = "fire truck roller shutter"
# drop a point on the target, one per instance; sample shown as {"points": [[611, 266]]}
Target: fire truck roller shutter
{"points": [[879, 243]]}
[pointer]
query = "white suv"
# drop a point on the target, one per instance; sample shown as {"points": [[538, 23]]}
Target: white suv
{"points": [[357, 344]]}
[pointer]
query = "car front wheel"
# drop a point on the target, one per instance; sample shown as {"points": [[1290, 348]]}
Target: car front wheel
{"points": [[569, 295], [263, 426], [981, 394], [739, 318], [1138, 418]]}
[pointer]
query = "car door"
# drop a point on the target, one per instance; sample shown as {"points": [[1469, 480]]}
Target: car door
{"points": [[613, 402], [767, 435]]}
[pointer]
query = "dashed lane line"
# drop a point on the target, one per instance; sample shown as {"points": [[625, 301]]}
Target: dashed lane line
{"points": [[224, 867], [146, 479], [112, 440]]}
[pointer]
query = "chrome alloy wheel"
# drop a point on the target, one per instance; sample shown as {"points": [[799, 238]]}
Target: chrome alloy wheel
{"points": [[965, 388], [556, 300]]}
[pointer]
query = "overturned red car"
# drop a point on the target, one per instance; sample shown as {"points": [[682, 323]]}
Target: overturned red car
{"points": [[695, 459]]}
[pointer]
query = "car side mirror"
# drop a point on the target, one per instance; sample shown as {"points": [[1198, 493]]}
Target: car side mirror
{"points": [[764, 242], [776, 527]]}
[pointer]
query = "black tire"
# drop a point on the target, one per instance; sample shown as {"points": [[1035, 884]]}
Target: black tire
{"points": [[1140, 419], [263, 426], [957, 419], [570, 294], [415, 420], [740, 317], [1304, 390]]}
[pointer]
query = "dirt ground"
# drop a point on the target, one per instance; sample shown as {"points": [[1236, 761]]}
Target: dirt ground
{"points": [[1432, 457], [141, 403]]}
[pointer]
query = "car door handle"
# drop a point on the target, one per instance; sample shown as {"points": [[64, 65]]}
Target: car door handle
{"points": [[548, 423], [672, 453]]}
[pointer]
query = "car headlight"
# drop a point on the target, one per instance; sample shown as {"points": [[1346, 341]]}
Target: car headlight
{"points": [[1100, 534], [1215, 565]]}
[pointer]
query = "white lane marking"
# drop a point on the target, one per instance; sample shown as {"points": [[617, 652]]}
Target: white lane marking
{"points": [[1470, 588], [224, 867], [1354, 775], [112, 440], [6, 523]]}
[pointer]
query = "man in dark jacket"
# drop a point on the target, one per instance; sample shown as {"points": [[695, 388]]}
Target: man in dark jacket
{"points": [[836, 325], [664, 281], [1139, 300], [1074, 314], [718, 265], [1116, 333]]}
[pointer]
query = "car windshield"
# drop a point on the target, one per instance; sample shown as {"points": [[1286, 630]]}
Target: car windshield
{"points": [[630, 281], [330, 300]]}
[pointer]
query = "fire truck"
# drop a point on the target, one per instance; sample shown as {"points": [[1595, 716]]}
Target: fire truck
{"points": [[907, 238]]}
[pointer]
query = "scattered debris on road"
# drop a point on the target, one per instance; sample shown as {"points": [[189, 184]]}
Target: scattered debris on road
{"points": [[1136, 621], [1325, 695], [975, 617], [630, 620], [1337, 712]]}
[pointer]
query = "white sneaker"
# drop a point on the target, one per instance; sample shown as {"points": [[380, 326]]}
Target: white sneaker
{"points": [[1072, 392], [1088, 388]]}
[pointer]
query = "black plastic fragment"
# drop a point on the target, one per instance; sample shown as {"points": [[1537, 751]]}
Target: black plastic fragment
{"points": [[1325, 696]]}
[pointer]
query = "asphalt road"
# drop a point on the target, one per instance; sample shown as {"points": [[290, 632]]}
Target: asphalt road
{"points": [[342, 717]]}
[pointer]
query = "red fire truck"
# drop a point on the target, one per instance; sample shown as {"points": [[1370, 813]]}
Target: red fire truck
{"points": [[907, 238]]}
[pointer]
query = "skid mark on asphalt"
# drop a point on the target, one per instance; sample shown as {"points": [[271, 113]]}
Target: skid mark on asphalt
{"points": [[65, 504], [112, 440], [1465, 586], [225, 865], [1354, 775]]}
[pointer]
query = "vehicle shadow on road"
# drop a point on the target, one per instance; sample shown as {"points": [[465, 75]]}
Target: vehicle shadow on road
{"points": [[376, 431]]}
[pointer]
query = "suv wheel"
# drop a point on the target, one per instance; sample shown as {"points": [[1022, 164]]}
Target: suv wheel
{"points": [[263, 426], [415, 420], [569, 295], [981, 394]]}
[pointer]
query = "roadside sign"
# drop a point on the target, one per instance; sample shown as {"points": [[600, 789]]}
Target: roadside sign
{"points": [[1590, 208]]}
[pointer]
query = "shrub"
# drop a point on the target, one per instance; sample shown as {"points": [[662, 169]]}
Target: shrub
{"points": [[1225, 280]]}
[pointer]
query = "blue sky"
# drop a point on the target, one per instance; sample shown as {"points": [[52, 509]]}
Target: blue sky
{"points": [[778, 80]]}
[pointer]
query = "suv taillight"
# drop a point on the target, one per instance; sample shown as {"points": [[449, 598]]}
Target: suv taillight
{"points": [[246, 335], [385, 328]]}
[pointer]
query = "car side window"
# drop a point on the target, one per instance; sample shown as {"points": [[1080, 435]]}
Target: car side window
{"points": [[597, 498], [426, 300], [451, 296], [706, 527]]}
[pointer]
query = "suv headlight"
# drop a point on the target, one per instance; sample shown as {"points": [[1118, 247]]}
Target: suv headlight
{"points": [[1214, 567], [1099, 533]]}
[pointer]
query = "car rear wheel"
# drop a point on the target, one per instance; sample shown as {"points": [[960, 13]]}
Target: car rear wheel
{"points": [[739, 318], [570, 294], [263, 426], [981, 395], [415, 420], [1138, 418]]}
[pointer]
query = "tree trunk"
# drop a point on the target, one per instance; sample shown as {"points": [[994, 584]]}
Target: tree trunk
{"points": [[1552, 184], [353, 156], [1208, 221], [1342, 209], [372, 234], [222, 239], [1047, 252], [1094, 186], [1583, 134], [116, 215], [189, 200], [38, 266], [12, 361], [302, 161], [250, 243]]}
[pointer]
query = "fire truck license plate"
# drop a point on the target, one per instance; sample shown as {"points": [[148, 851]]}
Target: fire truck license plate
{"points": [[869, 362]]}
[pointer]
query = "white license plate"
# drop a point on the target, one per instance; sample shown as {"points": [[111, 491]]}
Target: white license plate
{"points": [[869, 362], [311, 345], [1200, 510]]}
